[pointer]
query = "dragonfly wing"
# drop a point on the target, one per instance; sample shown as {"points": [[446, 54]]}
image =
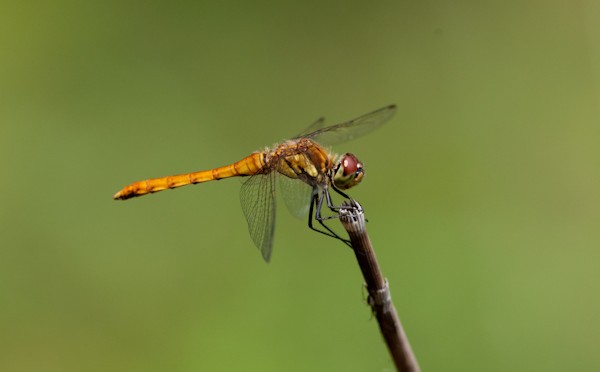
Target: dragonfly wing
{"points": [[318, 124], [352, 129], [257, 196], [296, 195]]}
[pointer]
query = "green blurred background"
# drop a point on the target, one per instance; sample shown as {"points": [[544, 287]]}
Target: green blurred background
{"points": [[482, 193]]}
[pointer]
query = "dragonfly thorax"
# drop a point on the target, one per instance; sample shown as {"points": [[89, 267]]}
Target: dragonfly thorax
{"points": [[302, 159]]}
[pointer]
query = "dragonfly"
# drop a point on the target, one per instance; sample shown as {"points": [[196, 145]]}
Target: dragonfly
{"points": [[303, 166]]}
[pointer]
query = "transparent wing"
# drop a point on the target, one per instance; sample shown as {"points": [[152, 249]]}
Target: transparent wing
{"points": [[318, 124], [257, 196], [296, 195], [352, 129]]}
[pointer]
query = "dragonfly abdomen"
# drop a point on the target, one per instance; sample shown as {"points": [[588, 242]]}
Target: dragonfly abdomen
{"points": [[248, 166]]}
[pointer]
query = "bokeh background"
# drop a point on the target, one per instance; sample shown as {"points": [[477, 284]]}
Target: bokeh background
{"points": [[482, 193]]}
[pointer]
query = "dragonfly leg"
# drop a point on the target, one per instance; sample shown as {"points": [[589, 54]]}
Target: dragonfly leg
{"points": [[333, 207], [339, 191], [318, 203], [330, 204]]}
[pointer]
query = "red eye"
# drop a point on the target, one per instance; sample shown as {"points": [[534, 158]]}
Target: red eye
{"points": [[350, 164]]}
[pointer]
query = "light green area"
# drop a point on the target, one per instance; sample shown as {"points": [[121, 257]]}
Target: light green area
{"points": [[482, 194]]}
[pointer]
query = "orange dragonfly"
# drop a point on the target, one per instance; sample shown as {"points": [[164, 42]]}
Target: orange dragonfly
{"points": [[302, 160]]}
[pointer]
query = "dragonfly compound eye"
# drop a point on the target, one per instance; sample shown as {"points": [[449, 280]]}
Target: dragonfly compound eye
{"points": [[349, 172]]}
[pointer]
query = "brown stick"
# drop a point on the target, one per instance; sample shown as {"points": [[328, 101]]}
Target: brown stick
{"points": [[353, 219]]}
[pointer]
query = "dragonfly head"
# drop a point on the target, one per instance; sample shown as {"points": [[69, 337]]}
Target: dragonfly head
{"points": [[348, 172]]}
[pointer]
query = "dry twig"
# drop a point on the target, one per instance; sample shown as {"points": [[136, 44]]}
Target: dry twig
{"points": [[380, 300]]}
